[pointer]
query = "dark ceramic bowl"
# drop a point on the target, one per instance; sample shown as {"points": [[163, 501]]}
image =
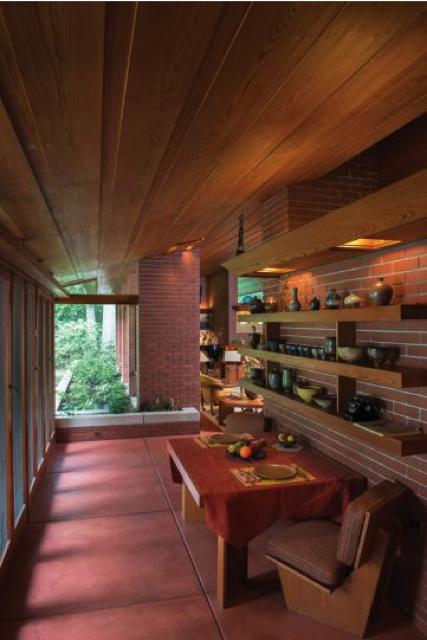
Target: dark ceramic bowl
{"points": [[306, 351], [377, 355]]}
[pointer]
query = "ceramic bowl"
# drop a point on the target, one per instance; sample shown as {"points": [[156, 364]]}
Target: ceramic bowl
{"points": [[351, 354], [307, 393], [325, 402], [377, 355]]}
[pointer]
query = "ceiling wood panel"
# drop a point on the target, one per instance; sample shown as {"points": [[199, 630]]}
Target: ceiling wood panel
{"points": [[319, 88], [127, 127], [54, 100]]}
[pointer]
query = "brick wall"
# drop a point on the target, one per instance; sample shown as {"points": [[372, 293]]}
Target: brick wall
{"points": [[169, 292], [406, 269], [221, 295]]}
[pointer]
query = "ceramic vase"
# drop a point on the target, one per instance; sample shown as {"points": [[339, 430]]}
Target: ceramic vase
{"points": [[315, 304], [352, 301], [381, 293], [275, 379], [333, 299], [330, 347], [287, 380], [255, 340], [295, 304]]}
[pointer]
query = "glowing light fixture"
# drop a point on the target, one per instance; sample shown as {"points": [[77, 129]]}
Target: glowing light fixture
{"points": [[187, 245], [368, 244], [275, 270]]}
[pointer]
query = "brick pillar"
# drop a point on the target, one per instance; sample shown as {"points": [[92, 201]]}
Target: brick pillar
{"points": [[169, 291]]}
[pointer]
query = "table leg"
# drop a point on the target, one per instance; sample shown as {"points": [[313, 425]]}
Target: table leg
{"points": [[190, 511], [232, 571]]}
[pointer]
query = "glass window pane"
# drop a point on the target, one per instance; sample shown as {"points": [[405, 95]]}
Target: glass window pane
{"points": [[18, 328], [3, 394], [39, 381], [30, 364]]}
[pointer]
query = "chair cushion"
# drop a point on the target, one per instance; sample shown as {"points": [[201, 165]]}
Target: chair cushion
{"points": [[354, 517], [311, 548], [244, 423]]}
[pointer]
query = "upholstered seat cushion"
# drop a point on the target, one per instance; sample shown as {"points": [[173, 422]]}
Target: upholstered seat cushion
{"points": [[311, 547]]}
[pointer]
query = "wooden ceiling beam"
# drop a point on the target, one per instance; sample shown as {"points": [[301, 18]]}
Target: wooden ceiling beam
{"points": [[98, 299], [14, 253]]}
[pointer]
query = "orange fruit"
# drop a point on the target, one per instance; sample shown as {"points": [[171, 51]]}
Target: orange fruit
{"points": [[245, 452]]}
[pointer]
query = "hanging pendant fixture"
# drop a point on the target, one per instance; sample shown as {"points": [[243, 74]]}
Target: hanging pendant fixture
{"points": [[240, 241]]}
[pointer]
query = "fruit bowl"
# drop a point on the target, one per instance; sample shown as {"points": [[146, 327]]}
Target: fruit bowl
{"points": [[247, 450], [287, 440]]}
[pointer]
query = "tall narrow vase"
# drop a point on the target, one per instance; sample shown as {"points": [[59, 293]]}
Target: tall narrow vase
{"points": [[295, 304]]}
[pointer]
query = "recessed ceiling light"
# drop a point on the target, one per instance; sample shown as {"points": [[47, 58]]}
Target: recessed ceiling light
{"points": [[275, 270], [368, 244], [187, 245]]}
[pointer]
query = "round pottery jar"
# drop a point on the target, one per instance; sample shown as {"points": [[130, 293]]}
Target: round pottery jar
{"points": [[352, 301], [314, 304], [333, 299], [275, 379], [381, 293]]}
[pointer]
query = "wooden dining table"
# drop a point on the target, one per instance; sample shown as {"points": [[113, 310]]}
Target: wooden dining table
{"points": [[213, 492]]}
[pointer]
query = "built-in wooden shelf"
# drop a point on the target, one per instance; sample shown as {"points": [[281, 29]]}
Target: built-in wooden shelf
{"points": [[398, 378], [403, 445], [395, 212], [388, 313]]}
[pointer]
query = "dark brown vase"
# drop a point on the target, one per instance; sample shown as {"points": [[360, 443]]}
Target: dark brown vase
{"points": [[381, 293]]}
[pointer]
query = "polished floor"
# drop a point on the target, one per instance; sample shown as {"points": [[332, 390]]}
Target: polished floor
{"points": [[107, 557]]}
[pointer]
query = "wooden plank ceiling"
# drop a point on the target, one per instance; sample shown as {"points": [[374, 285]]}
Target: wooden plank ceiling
{"points": [[127, 127]]}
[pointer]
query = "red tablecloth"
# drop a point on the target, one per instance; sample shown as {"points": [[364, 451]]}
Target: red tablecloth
{"points": [[238, 513]]}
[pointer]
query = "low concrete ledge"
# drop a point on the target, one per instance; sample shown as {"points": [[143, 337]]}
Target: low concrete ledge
{"points": [[188, 414], [143, 424]]}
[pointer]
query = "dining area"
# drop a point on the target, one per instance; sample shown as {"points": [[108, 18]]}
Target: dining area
{"points": [[328, 540]]}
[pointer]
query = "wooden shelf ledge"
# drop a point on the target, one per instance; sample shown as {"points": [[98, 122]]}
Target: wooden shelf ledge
{"points": [[395, 445], [388, 313], [398, 378]]}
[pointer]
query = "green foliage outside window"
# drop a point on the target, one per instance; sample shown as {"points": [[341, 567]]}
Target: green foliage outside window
{"points": [[95, 382]]}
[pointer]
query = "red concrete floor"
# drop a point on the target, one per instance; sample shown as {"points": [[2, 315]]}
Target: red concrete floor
{"points": [[107, 556]]}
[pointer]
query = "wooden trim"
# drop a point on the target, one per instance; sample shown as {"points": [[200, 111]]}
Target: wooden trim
{"points": [[190, 511], [19, 258], [387, 313], [98, 299], [185, 477], [398, 378], [397, 445], [388, 209]]}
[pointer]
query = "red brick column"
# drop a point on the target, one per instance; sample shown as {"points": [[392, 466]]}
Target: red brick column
{"points": [[169, 291]]}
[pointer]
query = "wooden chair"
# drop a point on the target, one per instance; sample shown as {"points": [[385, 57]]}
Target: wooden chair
{"points": [[244, 423], [337, 575], [211, 390]]}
